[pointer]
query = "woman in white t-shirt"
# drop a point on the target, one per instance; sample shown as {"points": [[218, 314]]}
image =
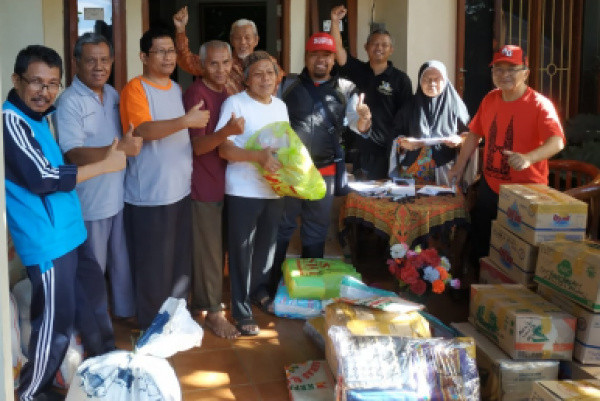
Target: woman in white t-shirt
{"points": [[253, 210]]}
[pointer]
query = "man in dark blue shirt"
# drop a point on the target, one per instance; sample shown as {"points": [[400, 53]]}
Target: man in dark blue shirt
{"points": [[386, 90]]}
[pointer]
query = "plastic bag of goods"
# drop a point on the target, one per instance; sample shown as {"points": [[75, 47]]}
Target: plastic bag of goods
{"points": [[402, 368], [295, 308], [22, 293], [310, 381], [298, 177], [18, 359], [315, 278], [143, 374], [72, 360]]}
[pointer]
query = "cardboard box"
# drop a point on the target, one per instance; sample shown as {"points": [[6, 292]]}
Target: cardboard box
{"points": [[514, 272], [521, 322], [587, 334], [502, 378], [573, 370], [489, 273], [538, 213], [581, 390], [573, 269], [512, 251]]}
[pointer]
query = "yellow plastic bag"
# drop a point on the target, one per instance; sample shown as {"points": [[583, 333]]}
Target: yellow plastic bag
{"points": [[298, 177]]}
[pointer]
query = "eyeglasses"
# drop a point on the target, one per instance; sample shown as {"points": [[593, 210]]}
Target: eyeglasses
{"points": [[509, 71], [39, 86], [164, 53]]}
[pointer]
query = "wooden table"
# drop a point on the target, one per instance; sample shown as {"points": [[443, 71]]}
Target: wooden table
{"points": [[412, 221]]}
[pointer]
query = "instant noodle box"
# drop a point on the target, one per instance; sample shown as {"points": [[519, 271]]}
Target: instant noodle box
{"points": [[491, 273], [567, 390], [521, 322], [538, 213], [511, 252], [587, 336], [573, 269], [502, 378]]}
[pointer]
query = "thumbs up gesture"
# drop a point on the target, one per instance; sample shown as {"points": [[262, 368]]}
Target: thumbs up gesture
{"points": [[235, 125], [196, 117], [130, 144], [115, 159]]}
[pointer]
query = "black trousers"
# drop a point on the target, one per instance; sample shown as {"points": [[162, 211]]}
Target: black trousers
{"points": [[65, 295], [159, 241], [251, 238], [485, 210]]}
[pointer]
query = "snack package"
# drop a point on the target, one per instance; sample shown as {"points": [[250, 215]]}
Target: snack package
{"points": [[144, 374], [298, 177], [315, 329], [309, 381], [315, 278], [402, 368], [353, 288], [295, 308]]}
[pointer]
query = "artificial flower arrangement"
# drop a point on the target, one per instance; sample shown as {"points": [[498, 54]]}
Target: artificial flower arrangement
{"points": [[420, 269]]}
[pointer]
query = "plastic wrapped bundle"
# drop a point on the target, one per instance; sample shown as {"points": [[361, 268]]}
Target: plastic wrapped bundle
{"points": [[315, 278], [144, 374], [402, 368], [295, 308], [315, 329], [298, 177]]}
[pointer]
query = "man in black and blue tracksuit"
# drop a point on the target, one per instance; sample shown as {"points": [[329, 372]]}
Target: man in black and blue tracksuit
{"points": [[320, 105], [45, 222]]}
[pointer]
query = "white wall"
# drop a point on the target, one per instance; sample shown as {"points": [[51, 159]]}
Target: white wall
{"points": [[6, 375], [422, 30], [431, 35], [20, 25], [297, 35]]}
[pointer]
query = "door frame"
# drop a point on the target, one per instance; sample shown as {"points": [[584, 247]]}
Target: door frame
{"points": [[119, 41]]}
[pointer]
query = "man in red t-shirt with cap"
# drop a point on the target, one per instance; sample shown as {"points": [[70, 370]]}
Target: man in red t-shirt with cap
{"points": [[521, 130]]}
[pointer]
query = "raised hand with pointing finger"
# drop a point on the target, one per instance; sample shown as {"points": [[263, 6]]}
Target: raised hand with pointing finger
{"points": [[364, 114], [517, 161]]}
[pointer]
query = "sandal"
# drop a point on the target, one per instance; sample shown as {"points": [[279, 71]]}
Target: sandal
{"points": [[265, 304], [249, 321]]}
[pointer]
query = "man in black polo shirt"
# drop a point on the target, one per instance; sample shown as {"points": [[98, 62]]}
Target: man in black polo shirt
{"points": [[386, 90]]}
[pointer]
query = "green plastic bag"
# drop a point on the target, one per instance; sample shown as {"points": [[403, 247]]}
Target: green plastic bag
{"points": [[298, 177]]}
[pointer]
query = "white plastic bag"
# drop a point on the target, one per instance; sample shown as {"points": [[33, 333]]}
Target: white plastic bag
{"points": [[144, 374], [22, 294], [18, 359], [72, 360]]}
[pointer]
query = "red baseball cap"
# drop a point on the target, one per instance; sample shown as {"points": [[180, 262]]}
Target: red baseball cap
{"points": [[320, 41], [511, 54]]}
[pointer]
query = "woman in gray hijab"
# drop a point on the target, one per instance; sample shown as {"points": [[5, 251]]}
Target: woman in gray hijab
{"points": [[429, 129]]}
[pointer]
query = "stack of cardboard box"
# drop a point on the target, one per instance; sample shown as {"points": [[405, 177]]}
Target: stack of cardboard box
{"points": [[529, 214]]}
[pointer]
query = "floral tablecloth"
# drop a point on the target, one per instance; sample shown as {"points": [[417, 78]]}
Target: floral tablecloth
{"points": [[406, 221]]}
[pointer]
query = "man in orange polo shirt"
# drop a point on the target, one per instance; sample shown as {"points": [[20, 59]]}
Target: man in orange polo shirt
{"points": [[521, 130]]}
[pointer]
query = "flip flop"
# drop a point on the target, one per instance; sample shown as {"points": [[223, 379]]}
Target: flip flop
{"points": [[265, 304], [239, 325]]}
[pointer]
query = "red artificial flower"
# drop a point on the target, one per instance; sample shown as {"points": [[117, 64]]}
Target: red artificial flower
{"points": [[438, 286], [392, 266], [430, 257], [409, 275], [418, 287]]}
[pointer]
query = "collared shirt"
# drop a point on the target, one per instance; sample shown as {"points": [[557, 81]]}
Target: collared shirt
{"points": [[82, 120], [385, 94]]}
